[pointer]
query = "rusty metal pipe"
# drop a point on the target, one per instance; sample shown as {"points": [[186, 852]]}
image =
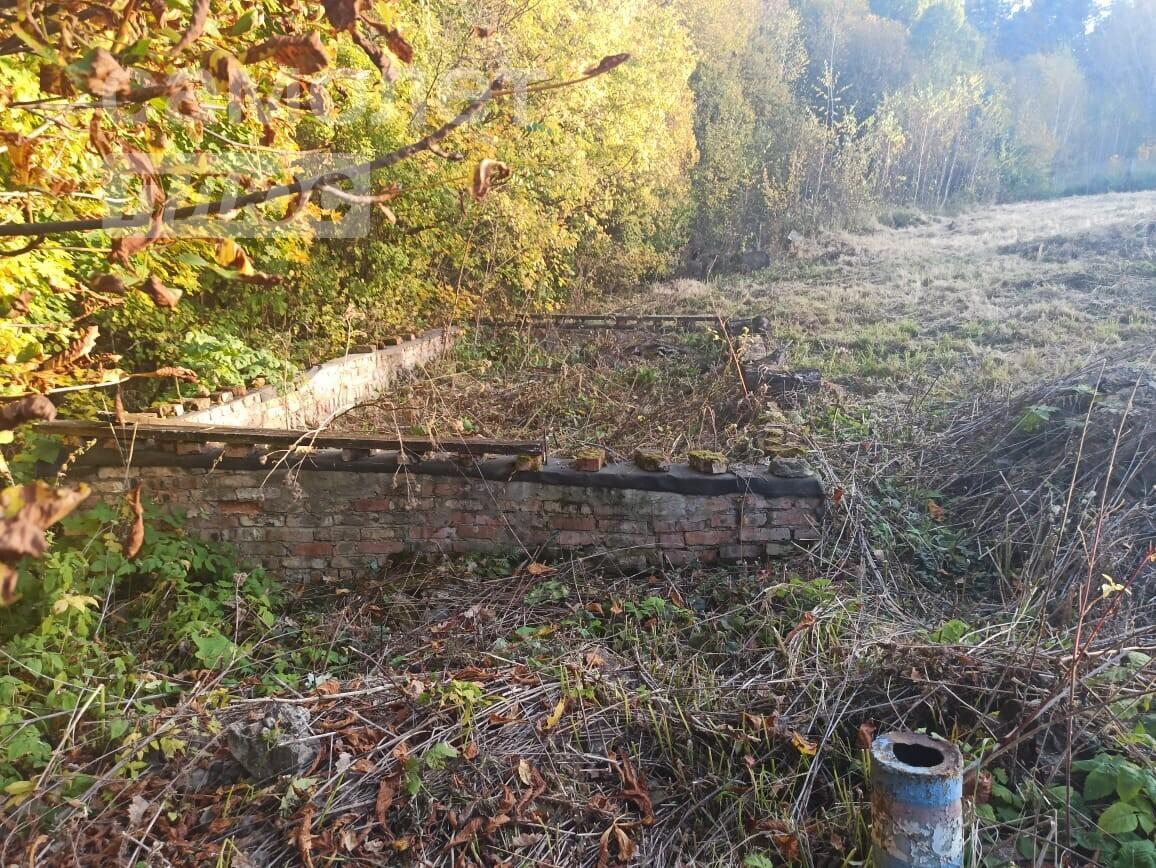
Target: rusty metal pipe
{"points": [[916, 802]]}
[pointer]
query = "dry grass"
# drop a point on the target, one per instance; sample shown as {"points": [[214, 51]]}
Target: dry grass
{"points": [[715, 717]]}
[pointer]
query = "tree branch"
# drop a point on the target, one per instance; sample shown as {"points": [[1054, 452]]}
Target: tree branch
{"points": [[173, 214]]}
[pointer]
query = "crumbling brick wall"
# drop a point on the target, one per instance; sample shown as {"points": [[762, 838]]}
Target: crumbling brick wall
{"points": [[322, 392], [329, 517]]}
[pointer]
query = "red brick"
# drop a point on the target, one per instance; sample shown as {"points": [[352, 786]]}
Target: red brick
{"points": [[312, 550], [671, 540], [380, 547], [706, 537], [241, 507], [371, 505]]}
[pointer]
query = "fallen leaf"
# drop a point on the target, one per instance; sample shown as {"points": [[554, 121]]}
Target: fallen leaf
{"points": [[555, 716], [865, 736], [136, 811], [303, 837], [134, 539], [537, 569], [803, 745], [525, 772], [594, 660], [936, 511], [385, 794], [470, 751]]}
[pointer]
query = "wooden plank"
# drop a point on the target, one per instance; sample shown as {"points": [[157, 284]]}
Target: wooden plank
{"points": [[615, 321], [277, 437]]}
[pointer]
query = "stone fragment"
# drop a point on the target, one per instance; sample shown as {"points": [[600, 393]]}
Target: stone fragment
{"points": [[277, 744], [528, 463], [707, 461], [651, 460], [790, 468], [590, 460]]}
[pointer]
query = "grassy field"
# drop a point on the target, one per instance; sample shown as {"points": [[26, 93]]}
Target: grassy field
{"points": [[988, 442]]}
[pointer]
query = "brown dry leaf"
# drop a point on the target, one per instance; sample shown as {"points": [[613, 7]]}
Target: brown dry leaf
{"points": [[28, 409], [865, 735], [142, 164], [127, 246], [134, 539], [625, 844], [196, 27], [616, 608], [468, 832], [495, 823], [107, 79], [537, 569], [108, 283], [301, 51], [161, 295], [936, 511], [805, 623], [470, 751], [497, 719], [525, 772], [488, 173], [803, 745], [594, 660], [342, 14], [8, 577], [380, 59], [788, 844], [396, 43], [634, 789], [54, 79], [26, 512], [595, 609], [303, 837], [172, 371], [77, 349], [607, 63], [97, 140], [385, 795]]}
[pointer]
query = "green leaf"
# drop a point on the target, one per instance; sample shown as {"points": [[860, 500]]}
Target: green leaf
{"points": [[1099, 784], [1136, 854], [1129, 782], [1119, 819]]}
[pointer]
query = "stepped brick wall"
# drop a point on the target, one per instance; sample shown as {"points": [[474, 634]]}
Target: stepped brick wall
{"points": [[322, 392]]}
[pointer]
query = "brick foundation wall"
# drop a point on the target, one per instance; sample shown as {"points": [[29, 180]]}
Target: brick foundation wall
{"points": [[323, 391], [332, 517]]}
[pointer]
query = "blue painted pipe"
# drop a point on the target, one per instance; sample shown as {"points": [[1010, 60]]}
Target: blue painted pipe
{"points": [[916, 802]]}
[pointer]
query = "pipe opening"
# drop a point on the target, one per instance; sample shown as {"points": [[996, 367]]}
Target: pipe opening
{"points": [[919, 755]]}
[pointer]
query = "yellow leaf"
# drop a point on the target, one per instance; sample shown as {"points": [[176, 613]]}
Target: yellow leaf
{"points": [[20, 788], [804, 745], [556, 715]]}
